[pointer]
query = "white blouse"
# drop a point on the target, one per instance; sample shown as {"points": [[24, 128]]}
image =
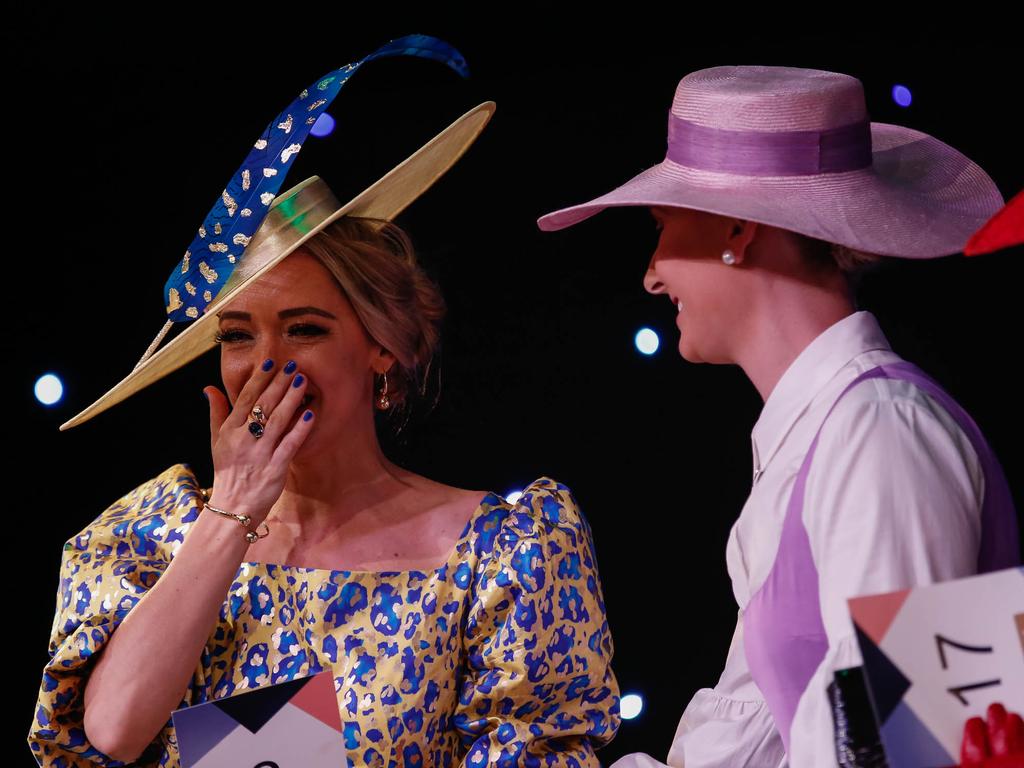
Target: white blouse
{"points": [[893, 499]]}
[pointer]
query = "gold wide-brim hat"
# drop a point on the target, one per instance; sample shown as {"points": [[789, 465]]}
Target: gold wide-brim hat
{"points": [[294, 217]]}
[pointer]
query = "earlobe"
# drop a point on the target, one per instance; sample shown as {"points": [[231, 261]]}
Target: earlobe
{"points": [[383, 361], [740, 237]]}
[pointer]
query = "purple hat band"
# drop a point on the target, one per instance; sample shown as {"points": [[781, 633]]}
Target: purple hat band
{"points": [[770, 153], [793, 148]]}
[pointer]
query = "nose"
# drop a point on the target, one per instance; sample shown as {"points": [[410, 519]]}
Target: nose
{"points": [[652, 284], [267, 346]]}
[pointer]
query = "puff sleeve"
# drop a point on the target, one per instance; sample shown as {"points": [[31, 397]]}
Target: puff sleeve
{"points": [[537, 688], [105, 570]]}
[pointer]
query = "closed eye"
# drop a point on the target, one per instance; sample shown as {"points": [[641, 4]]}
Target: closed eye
{"points": [[306, 329], [228, 337], [232, 336]]}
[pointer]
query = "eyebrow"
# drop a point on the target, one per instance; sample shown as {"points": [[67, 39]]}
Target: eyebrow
{"points": [[284, 313]]}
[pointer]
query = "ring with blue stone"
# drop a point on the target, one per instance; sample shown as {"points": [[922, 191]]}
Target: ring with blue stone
{"points": [[256, 421]]}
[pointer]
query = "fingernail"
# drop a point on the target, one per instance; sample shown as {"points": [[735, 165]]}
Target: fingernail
{"points": [[307, 416], [206, 396], [290, 367], [268, 364], [297, 381]]}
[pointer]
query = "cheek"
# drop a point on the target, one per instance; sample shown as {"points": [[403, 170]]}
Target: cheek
{"points": [[341, 374], [682, 282], [704, 297], [234, 374]]}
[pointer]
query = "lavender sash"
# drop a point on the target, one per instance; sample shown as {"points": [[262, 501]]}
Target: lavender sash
{"points": [[784, 637]]}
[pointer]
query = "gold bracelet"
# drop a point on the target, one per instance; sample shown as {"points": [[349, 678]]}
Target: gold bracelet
{"points": [[245, 520]]}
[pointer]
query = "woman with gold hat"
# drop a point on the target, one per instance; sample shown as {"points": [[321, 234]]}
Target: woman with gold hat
{"points": [[775, 190], [459, 628]]}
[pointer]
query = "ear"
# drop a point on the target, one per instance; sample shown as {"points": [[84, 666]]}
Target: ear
{"points": [[741, 234], [381, 360]]}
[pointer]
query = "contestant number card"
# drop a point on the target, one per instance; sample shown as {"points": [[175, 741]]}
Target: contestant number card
{"points": [[295, 723], [935, 656]]}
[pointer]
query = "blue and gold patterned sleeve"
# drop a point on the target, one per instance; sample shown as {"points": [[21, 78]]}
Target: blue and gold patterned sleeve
{"points": [[538, 688], [105, 570]]}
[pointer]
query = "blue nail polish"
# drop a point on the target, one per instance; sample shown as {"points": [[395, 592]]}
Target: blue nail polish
{"points": [[307, 416], [268, 364], [290, 367], [297, 381]]}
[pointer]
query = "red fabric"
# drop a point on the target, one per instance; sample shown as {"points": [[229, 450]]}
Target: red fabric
{"points": [[1004, 229]]}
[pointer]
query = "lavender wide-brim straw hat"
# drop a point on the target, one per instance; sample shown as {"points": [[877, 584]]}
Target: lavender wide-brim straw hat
{"points": [[794, 148]]}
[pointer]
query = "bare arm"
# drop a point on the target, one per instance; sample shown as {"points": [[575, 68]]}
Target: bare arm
{"points": [[143, 672]]}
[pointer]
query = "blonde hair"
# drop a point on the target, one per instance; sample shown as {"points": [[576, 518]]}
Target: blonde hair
{"points": [[851, 261], [375, 265], [823, 255]]}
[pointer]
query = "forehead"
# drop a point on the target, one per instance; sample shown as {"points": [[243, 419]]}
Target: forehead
{"points": [[692, 218], [300, 279], [669, 211]]}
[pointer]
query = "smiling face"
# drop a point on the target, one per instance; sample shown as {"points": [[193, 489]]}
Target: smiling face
{"points": [[296, 311], [687, 267]]}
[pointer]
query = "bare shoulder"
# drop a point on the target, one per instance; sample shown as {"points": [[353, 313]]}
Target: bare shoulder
{"points": [[433, 526], [441, 500], [416, 528]]}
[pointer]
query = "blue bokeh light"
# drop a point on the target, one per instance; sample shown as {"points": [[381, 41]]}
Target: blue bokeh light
{"points": [[901, 95], [323, 126]]}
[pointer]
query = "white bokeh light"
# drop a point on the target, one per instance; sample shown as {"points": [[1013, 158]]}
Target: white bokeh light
{"points": [[647, 341], [49, 389], [630, 706]]}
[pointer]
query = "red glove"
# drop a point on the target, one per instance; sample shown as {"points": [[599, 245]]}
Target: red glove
{"points": [[998, 743]]}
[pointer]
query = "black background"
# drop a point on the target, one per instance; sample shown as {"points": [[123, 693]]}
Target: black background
{"points": [[120, 133]]}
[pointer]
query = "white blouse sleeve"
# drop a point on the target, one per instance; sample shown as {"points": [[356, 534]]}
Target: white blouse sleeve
{"points": [[893, 500], [723, 727]]}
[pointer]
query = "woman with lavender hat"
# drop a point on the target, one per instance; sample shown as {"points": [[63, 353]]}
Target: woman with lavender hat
{"points": [[867, 478]]}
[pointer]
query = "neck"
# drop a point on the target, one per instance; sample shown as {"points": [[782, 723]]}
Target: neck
{"points": [[328, 487], [788, 316]]}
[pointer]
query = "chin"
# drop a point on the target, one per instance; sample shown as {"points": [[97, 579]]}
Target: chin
{"points": [[688, 353]]}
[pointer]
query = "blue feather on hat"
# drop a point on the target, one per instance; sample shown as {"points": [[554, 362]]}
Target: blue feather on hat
{"points": [[248, 196]]}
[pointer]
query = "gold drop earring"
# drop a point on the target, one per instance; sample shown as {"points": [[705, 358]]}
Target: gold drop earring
{"points": [[383, 402]]}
